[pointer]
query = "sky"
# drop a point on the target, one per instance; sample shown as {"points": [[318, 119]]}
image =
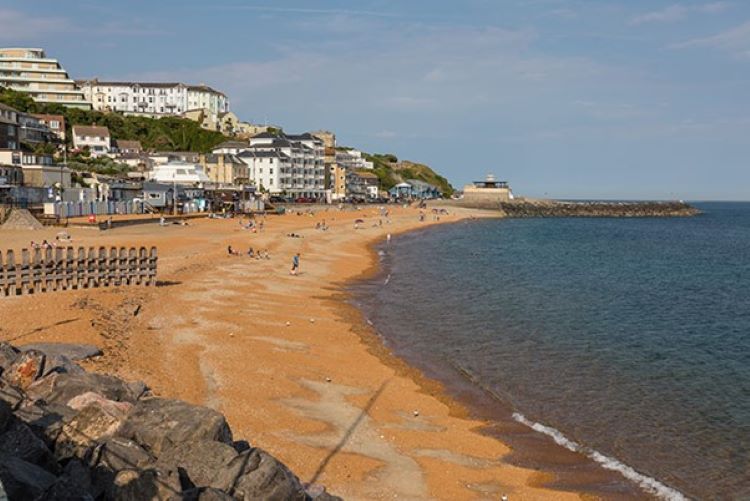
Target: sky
{"points": [[622, 99]]}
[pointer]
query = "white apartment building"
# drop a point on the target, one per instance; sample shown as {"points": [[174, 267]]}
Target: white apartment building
{"points": [[182, 173], [44, 79], [94, 137], [154, 98], [352, 160], [284, 164]]}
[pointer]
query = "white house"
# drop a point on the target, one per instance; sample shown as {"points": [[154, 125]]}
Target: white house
{"points": [[94, 137], [181, 173], [153, 98], [352, 159]]}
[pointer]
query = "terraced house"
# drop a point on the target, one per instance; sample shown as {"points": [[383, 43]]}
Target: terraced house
{"points": [[44, 79], [153, 98]]}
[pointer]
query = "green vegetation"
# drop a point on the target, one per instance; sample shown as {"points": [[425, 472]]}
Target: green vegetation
{"points": [[390, 172], [165, 134]]}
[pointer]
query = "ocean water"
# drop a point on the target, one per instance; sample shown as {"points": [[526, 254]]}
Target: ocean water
{"points": [[626, 339]]}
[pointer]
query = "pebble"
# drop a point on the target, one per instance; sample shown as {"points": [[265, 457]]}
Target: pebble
{"points": [[231, 334], [416, 413], [312, 320], [288, 324], [328, 380]]}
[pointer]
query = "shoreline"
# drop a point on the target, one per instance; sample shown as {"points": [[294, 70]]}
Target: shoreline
{"points": [[559, 467], [309, 392]]}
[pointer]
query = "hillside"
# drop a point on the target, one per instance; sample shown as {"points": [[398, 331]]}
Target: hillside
{"points": [[165, 134], [390, 172]]}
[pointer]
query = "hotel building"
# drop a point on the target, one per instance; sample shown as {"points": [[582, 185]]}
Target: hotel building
{"points": [[44, 79]]}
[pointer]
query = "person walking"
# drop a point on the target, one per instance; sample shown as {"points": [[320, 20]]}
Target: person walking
{"points": [[295, 265]]}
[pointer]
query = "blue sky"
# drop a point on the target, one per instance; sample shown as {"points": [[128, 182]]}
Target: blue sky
{"points": [[563, 98]]}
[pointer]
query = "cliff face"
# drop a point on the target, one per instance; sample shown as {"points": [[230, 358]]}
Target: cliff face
{"points": [[553, 208]]}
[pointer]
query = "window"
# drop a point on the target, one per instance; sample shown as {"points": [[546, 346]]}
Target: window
{"points": [[270, 171], [153, 196], [54, 124]]}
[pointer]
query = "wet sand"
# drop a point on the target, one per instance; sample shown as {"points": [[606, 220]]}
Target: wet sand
{"points": [[292, 366]]}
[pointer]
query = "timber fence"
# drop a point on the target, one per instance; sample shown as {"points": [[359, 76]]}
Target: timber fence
{"points": [[62, 268]]}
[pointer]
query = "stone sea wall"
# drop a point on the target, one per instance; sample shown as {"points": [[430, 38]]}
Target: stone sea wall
{"points": [[553, 208], [70, 434]]}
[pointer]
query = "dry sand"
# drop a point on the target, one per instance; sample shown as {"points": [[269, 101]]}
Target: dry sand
{"points": [[283, 357]]}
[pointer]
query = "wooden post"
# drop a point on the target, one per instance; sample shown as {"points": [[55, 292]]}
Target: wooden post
{"points": [[49, 270], [81, 268], [10, 274], [132, 266], [152, 267], [91, 267], [3, 290], [38, 271], [59, 269], [25, 272]]}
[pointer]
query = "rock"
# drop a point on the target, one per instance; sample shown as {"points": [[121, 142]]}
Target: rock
{"points": [[112, 456], [10, 394], [62, 364], [84, 399], [254, 474], [19, 441], [157, 423], [318, 493], [144, 485], [6, 415], [25, 369], [74, 484], [200, 460], [23, 480], [205, 494], [75, 352], [60, 388], [98, 420], [7, 355], [45, 421]]}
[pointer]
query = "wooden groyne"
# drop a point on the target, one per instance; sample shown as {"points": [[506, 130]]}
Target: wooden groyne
{"points": [[550, 208], [62, 268]]}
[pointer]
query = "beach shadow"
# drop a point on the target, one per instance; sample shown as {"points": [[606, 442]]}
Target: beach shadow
{"points": [[167, 283], [40, 329], [348, 434]]}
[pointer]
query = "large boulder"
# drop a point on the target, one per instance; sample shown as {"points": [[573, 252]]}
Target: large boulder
{"points": [[73, 484], [19, 441], [98, 420], [8, 354], [198, 461], [255, 474], [10, 394], [111, 457], [45, 420], [23, 480], [60, 388], [26, 368], [75, 352], [159, 423], [145, 485]]}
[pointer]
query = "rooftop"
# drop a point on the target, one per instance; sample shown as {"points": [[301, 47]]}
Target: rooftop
{"points": [[90, 130]]}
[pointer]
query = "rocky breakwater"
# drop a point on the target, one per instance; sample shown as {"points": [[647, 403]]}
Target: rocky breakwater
{"points": [[70, 434], [553, 208]]}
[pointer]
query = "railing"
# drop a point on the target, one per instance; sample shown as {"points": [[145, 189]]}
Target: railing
{"points": [[58, 269]]}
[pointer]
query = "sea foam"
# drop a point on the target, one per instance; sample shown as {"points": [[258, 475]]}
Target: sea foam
{"points": [[648, 484]]}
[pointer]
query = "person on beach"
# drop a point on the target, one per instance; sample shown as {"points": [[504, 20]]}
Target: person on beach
{"points": [[295, 265], [388, 239]]}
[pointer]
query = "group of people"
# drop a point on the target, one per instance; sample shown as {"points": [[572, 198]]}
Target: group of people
{"points": [[250, 252]]}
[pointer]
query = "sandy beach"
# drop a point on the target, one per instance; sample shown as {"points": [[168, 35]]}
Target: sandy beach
{"points": [[294, 368]]}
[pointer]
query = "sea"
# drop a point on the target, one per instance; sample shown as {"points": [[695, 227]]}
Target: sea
{"points": [[627, 340]]}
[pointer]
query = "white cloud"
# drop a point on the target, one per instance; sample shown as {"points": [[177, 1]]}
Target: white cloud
{"points": [[678, 12], [736, 41], [16, 25]]}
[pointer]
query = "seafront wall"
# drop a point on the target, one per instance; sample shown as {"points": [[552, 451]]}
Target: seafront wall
{"points": [[554, 208], [69, 434]]}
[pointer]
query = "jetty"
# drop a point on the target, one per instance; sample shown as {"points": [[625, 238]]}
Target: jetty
{"points": [[492, 194]]}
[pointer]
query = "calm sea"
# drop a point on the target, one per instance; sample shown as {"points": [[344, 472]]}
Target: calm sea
{"points": [[628, 339]]}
